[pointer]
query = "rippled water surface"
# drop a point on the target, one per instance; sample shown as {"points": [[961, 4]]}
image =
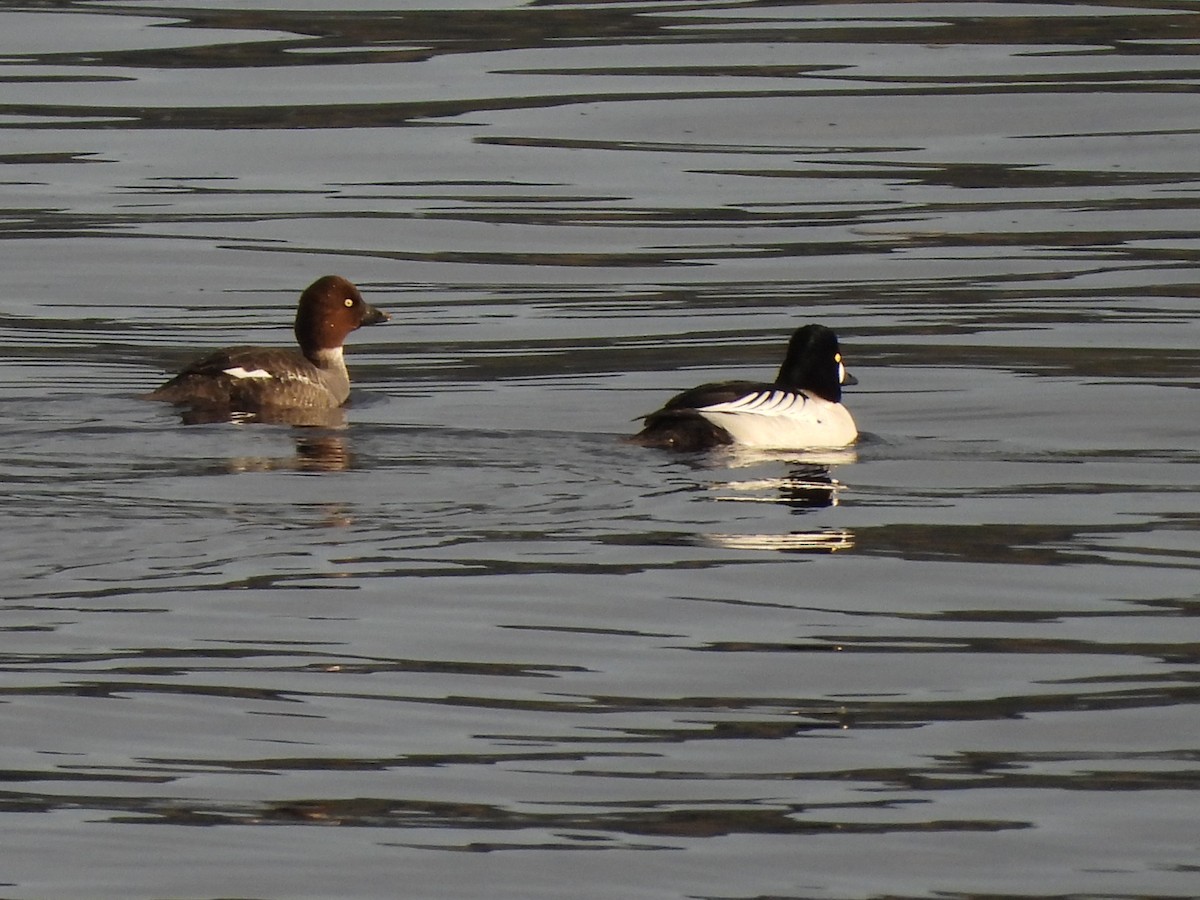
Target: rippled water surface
{"points": [[466, 644]]}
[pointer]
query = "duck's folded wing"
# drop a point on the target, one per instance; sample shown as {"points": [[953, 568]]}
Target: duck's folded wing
{"points": [[242, 361], [709, 394], [767, 402]]}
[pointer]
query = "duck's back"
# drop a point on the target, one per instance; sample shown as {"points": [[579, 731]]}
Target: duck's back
{"points": [[680, 426], [249, 378], [747, 413]]}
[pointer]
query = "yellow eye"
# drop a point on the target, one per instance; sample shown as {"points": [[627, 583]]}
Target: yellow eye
{"points": [[837, 357], [349, 301]]}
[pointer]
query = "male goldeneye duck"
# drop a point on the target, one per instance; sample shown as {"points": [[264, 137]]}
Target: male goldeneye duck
{"points": [[250, 379], [801, 409]]}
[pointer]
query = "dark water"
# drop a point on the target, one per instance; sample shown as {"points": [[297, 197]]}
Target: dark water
{"points": [[468, 645]]}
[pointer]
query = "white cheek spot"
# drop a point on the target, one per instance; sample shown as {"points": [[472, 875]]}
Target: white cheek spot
{"points": [[240, 372]]}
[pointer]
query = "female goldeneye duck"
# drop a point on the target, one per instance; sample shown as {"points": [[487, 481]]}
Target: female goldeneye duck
{"points": [[801, 409], [250, 379]]}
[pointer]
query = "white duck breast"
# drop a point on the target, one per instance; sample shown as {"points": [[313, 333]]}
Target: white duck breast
{"points": [[783, 419]]}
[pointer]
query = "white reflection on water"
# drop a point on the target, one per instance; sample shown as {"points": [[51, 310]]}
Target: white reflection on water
{"points": [[821, 541]]}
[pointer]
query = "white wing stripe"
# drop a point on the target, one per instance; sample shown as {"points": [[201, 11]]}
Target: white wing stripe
{"points": [[762, 403], [240, 372]]}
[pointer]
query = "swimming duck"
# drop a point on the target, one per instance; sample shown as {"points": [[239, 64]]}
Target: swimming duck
{"points": [[250, 379], [801, 409]]}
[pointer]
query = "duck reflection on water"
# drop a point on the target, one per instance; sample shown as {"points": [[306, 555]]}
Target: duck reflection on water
{"points": [[808, 486]]}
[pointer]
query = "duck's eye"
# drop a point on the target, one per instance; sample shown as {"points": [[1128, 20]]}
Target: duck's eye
{"points": [[837, 357], [349, 301]]}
